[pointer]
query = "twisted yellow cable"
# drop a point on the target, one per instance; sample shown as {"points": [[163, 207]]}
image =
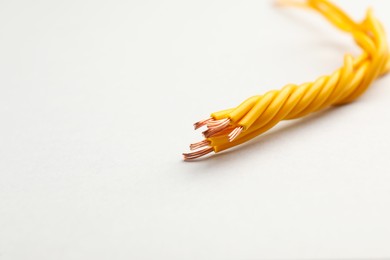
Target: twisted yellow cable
{"points": [[258, 114]]}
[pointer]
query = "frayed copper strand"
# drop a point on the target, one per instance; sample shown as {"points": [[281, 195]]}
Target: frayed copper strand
{"points": [[202, 123], [235, 133], [198, 154], [213, 130], [223, 132], [217, 123], [199, 145]]}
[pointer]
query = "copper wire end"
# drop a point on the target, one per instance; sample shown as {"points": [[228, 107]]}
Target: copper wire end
{"points": [[216, 127], [235, 133], [199, 145], [216, 123], [202, 123], [197, 154]]}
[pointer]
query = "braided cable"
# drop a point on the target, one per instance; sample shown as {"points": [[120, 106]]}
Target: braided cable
{"points": [[258, 114]]}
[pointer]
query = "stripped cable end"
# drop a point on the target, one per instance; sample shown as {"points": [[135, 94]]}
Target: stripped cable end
{"points": [[216, 127], [235, 133], [218, 123], [202, 123], [197, 154], [200, 145]]}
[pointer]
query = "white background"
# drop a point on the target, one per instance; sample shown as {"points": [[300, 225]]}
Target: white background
{"points": [[97, 101]]}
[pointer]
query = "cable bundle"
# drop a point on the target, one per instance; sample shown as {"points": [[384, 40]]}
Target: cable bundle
{"points": [[258, 114]]}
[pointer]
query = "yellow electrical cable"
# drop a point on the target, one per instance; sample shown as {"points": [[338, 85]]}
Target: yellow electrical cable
{"points": [[258, 114]]}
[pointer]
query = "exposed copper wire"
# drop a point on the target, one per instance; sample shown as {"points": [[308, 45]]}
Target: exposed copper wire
{"points": [[217, 123], [199, 145], [202, 123], [197, 154], [224, 131], [214, 131], [235, 133], [216, 128]]}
